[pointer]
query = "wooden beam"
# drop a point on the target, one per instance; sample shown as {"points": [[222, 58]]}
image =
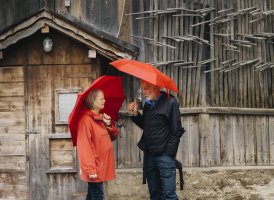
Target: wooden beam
{"points": [[219, 110], [45, 29], [227, 111]]}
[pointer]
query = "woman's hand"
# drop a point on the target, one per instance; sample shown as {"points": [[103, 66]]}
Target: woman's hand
{"points": [[93, 176], [133, 109], [107, 119]]}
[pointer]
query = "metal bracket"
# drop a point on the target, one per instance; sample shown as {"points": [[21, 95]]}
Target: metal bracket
{"points": [[33, 131]]}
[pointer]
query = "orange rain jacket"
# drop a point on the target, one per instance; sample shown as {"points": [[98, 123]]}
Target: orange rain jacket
{"points": [[94, 147]]}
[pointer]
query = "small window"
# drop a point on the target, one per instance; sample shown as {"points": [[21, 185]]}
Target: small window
{"points": [[64, 103], [62, 156]]}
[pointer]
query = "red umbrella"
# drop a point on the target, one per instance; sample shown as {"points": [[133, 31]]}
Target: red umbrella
{"points": [[145, 72], [113, 91]]}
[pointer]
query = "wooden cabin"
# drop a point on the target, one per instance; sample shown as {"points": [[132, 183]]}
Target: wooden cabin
{"points": [[38, 90], [220, 54]]}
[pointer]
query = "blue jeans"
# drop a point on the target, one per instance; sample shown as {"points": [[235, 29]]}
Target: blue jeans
{"points": [[95, 191], [161, 177]]}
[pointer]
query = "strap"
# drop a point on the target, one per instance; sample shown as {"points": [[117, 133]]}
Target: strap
{"points": [[181, 175], [144, 168]]}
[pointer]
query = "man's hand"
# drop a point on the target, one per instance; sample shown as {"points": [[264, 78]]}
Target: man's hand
{"points": [[133, 109]]}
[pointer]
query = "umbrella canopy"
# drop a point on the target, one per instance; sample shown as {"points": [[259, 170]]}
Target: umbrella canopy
{"points": [[114, 95], [145, 72]]}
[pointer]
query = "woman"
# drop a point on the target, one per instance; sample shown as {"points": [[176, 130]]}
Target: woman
{"points": [[94, 147]]}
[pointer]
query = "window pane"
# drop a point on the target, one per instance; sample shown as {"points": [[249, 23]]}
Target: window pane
{"points": [[66, 104]]}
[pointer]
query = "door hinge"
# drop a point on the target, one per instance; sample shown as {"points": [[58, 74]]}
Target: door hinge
{"points": [[32, 131]]}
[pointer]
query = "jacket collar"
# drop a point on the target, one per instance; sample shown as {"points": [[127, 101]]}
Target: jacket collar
{"points": [[156, 101], [93, 114]]}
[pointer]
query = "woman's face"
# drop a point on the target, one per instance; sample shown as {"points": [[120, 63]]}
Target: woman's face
{"points": [[99, 101]]}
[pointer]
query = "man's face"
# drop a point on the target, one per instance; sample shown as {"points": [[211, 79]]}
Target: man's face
{"points": [[150, 91]]}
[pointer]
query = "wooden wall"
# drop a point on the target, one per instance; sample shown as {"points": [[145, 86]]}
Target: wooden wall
{"points": [[218, 52], [223, 63], [210, 140], [104, 15], [31, 142], [13, 151]]}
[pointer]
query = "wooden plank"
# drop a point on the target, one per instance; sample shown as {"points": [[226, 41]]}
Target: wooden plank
{"points": [[63, 51], [10, 178], [193, 135], [240, 18], [10, 148], [59, 7], [12, 137], [12, 104], [62, 186], [121, 156], [226, 140], [184, 150], [16, 163], [10, 128], [76, 9], [64, 135], [165, 31], [190, 59], [272, 59], [128, 153], [61, 159], [245, 57], [11, 120], [238, 140], [250, 140], [204, 130], [175, 70], [136, 154], [109, 16], [93, 12], [125, 24], [13, 185], [200, 82], [11, 74], [60, 145], [231, 55], [3, 14], [197, 62], [150, 22], [35, 51], [212, 64], [262, 140], [215, 138], [184, 55], [271, 140], [11, 89], [227, 110]]}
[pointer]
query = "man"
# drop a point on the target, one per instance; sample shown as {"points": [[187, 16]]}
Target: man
{"points": [[162, 129]]}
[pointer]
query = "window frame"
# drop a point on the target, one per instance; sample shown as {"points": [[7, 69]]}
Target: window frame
{"points": [[56, 97]]}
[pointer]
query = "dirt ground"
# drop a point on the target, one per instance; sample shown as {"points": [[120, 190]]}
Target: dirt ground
{"points": [[253, 183]]}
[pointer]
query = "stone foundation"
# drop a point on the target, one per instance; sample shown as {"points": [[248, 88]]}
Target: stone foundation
{"points": [[218, 183]]}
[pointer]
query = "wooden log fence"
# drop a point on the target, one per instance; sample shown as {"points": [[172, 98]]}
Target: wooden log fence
{"points": [[221, 43]]}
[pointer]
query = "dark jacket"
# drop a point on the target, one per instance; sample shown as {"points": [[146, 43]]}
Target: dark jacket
{"points": [[161, 126]]}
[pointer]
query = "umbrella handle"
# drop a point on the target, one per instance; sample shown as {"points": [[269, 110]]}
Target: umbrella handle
{"points": [[139, 97]]}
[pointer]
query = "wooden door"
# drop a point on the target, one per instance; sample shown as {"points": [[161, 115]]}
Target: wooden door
{"points": [[52, 169]]}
